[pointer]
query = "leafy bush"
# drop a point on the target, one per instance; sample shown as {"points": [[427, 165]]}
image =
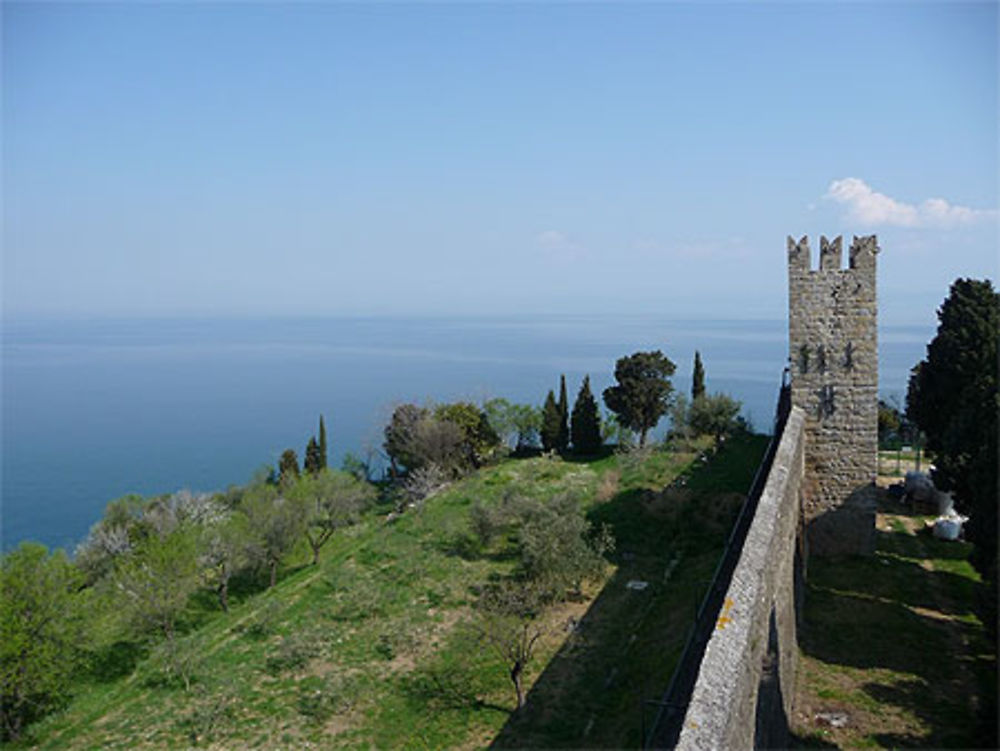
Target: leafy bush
{"points": [[174, 662], [264, 621], [559, 550], [714, 415], [486, 523]]}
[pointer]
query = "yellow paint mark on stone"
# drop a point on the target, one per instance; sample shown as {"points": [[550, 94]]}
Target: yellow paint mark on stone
{"points": [[724, 618]]}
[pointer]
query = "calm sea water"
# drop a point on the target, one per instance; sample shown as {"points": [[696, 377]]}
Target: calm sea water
{"points": [[95, 410]]}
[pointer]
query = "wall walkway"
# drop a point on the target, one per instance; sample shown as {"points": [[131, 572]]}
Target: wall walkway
{"points": [[742, 697]]}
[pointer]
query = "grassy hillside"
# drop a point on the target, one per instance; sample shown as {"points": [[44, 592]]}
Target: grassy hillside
{"points": [[372, 647]]}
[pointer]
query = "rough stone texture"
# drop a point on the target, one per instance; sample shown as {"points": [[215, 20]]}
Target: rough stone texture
{"points": [[833, 353], [754, 642]]}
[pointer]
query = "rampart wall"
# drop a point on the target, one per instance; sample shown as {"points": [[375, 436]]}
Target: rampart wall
{"points": [[742, 697]]}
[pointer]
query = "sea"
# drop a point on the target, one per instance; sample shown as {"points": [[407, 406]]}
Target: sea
{"points": [[95, 409]]}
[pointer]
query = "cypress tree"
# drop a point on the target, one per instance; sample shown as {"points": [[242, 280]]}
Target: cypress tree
{"points": [[586, 425], [288, 467], [322, 444], [551, 420], [562, 440], [697, 378], [312, 463]]}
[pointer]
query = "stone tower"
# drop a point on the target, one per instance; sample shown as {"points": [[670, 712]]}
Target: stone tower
{"points": [[833, 361]]}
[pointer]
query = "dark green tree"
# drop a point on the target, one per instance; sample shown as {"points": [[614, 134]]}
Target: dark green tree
{"points": [[952, 398], [323, 448], [288, 467], [562, 440], [551, 422], [401, 441], [313, 462], [643, 393], [698, 377], [479, 439], [586, 424]]}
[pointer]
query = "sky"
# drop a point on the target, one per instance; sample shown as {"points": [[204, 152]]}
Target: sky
{"points": [[228, 159]]}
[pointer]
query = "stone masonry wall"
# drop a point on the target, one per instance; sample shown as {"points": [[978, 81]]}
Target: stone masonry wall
{"points": [[833, 353], [755, 636]]}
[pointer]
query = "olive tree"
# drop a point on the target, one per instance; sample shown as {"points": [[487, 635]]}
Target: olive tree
{"points": [[715, 415], [508, 622], [330, 500], [154, 581], [276, 524], [223, 550]]}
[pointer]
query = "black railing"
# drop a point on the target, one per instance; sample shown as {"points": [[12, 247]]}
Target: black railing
{"points": [[666, 728]]}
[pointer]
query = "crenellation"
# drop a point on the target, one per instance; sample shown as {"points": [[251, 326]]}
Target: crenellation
{"points": [[862, 255], [830, 254], [798, 254]]}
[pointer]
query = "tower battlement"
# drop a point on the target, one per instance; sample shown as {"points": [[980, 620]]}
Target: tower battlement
{"points": [[833, 364]]}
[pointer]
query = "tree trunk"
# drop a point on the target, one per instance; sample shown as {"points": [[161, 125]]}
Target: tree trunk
{"points": [[315, 549], [274, 573], [515, 677], [223, 592], [642, 438]]}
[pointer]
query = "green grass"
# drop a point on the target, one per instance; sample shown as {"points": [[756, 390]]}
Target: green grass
{"points": [[370, 648], [894, 640]]}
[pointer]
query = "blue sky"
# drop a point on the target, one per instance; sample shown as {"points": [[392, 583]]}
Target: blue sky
{"points": [[248, 159]]}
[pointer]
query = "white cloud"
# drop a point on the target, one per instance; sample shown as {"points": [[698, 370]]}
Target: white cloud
{"points": [[558, 245], [868, 206]]}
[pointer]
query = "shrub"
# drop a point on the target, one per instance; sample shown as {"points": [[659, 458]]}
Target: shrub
{"points": [[293, 653], [174, 662], [486, 523], [319, 698]]}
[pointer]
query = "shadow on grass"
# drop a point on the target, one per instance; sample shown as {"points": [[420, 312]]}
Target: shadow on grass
{"points": [[604, 453], [465, 546], [445, 688], [621, 653], [116, 660], [888, 613]]}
